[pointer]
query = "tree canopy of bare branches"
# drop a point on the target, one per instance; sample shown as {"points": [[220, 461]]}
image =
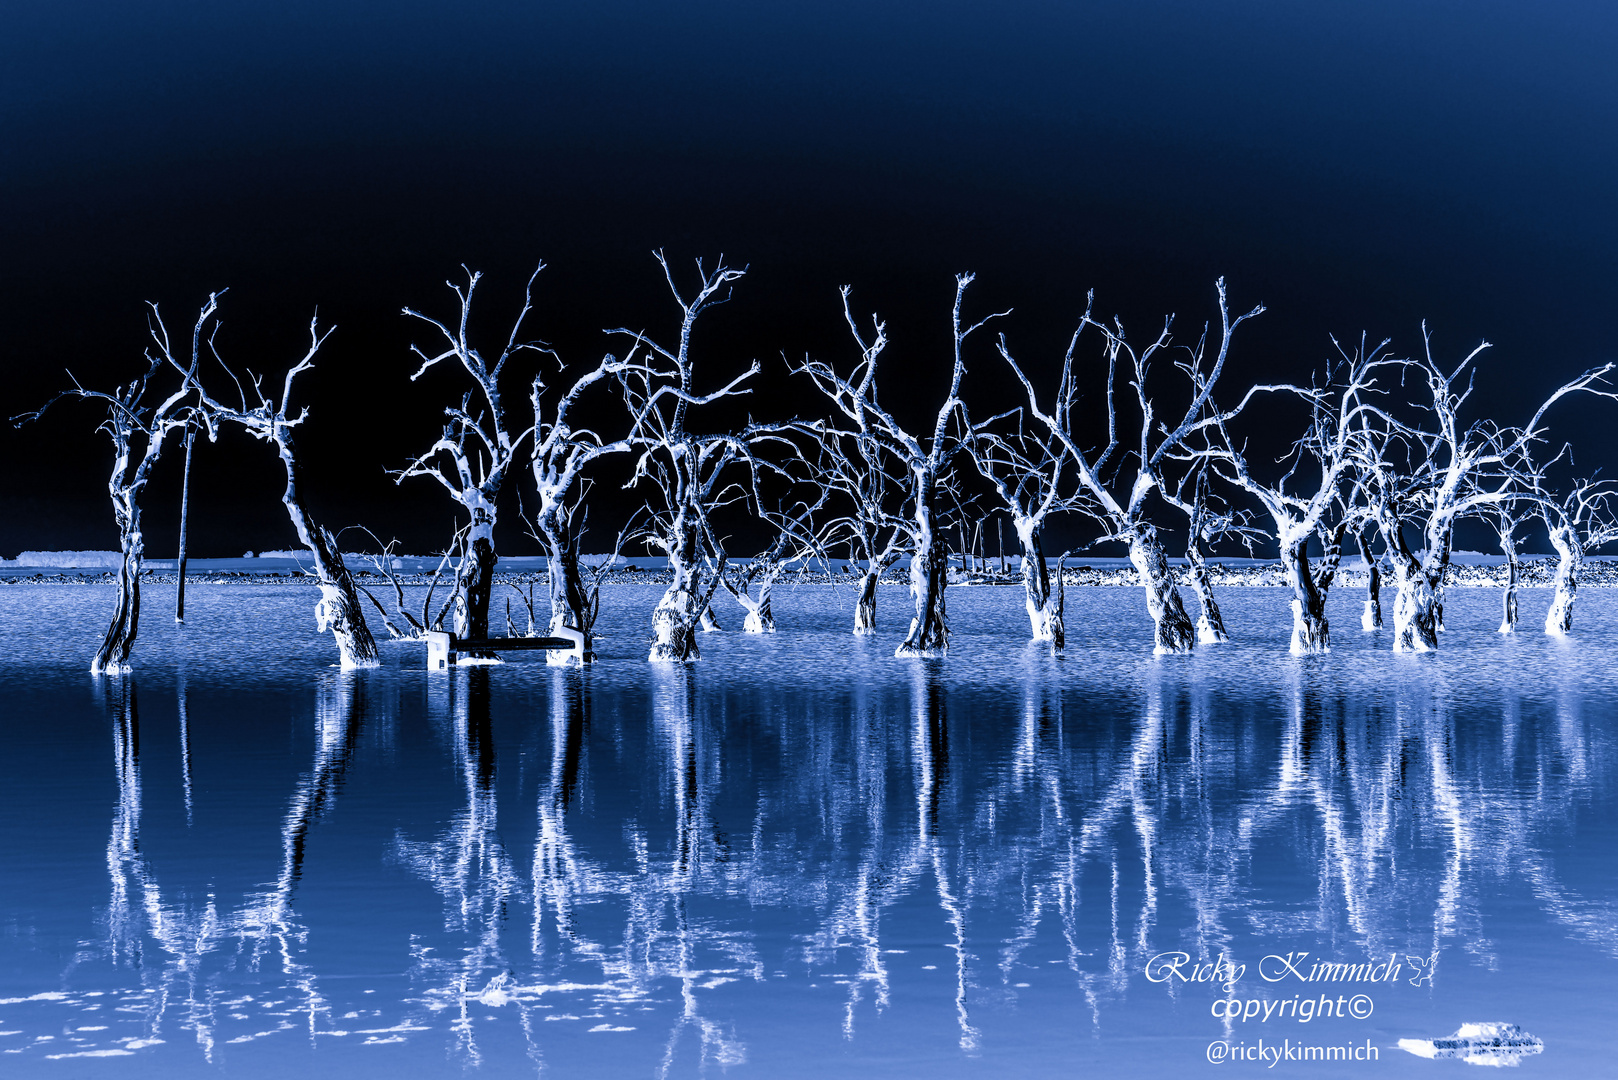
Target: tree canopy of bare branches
{"points": [[477, 448], [1121, 480], [687, 474], [267, 418], [1425, 474], [878, 441], [139, 420]]}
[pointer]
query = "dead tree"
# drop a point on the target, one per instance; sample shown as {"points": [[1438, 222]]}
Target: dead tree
{"points": [[874, 528], [1121, 493], [1428, 473], [1371, 612], [476, 450], [1300, 501], [1582, 520], [560, 456], [267, 419], [1506, 518], [414, 629], [881, 440], [1026, 470], [138, 422], [689, 474], [794, 541], [1206, 524]]}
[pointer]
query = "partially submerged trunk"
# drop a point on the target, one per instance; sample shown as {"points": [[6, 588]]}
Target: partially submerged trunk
{"points": [[339, 607], [1044, 607], [710, 621], [1570, 558], [1508, 602], [1437, 580], [572, 605], [929, 629], [1311, 633], [1371, 616], [1173, 630], [1415, 609], [865, 600], [474, 578], [680, 611], [1210, 623], [760, 619], [112, 658]]}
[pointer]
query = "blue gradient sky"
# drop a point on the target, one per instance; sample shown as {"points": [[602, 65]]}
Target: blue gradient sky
{"points": [[1354, 166]]}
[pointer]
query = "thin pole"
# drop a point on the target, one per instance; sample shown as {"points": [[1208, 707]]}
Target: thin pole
{"points": [[185, 506], [1000, 533]]}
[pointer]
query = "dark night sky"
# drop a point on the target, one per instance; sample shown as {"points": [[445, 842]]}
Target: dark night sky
{"points": [[1354, 166]]}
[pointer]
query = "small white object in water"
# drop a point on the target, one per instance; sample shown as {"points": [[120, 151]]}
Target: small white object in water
{"points": [[1478, 1044], [495, 993]]}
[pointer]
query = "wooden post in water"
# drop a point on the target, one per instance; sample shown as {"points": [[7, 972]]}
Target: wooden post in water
{"points": [[185, 499]]}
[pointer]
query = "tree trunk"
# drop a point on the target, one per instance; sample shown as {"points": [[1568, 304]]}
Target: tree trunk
{"points": [[1438, 591], [1415, 610], [1371, 617], [865, 601], [1570, 558], [1311, 633], [1210, 623], [1508, 604], [572, 605], [474, 578], [185, 514], [1173, 630], [675, 619], [929, 629], [710, 622], [112, 658], [1043, 607], [759, 620], [339, 607]]}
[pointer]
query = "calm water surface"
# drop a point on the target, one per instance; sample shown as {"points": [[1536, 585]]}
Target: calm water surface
{"points": [[801, 856]]}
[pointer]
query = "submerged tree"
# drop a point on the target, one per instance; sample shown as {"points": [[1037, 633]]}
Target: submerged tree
{"points": [[688, 472], [1429, 473], [476, 450], [794, 541], [138, 422], [1506, 518], [1121, 494], [1026, 470], [1301, 501], [561, 453], [1206, 524], [1371, 611], [879, 438], [1582, 520], [874, 526], [267, 419]]}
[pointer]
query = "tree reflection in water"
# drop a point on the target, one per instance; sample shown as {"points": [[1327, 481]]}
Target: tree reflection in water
{"points": [[702, 848]]}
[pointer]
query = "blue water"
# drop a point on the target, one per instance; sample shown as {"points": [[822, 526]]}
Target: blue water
{"points": [[801, 856]]}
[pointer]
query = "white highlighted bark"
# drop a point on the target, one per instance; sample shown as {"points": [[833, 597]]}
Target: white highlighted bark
{"points": [[1119, 482], [1421, 477]]}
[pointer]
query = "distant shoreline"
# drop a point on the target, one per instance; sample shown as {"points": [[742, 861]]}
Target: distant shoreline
{"points": [[1535, 571]]}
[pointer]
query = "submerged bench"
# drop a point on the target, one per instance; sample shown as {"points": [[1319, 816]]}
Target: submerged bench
{"points": [[444, 649]]}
